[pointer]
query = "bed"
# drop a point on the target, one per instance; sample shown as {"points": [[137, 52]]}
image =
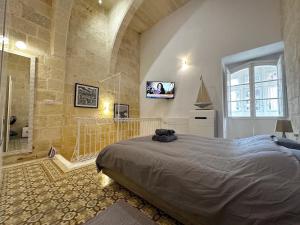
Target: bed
{"points": [[210, 181]]}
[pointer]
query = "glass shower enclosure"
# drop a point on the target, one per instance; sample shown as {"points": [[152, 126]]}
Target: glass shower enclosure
{"points": [[3, 38]]}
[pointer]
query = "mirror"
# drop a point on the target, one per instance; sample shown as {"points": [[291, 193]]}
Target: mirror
{"points": [[19, 73]]}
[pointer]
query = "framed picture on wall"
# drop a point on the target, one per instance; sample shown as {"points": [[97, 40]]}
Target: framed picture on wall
{"points": [[121, 111], [86, 96]]}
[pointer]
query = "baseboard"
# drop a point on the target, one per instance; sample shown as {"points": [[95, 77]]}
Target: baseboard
{"points": [[67, 166]]}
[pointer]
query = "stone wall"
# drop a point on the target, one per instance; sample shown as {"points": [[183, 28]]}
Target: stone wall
{"points": [[86, 62], [88, 54], [120, 17], [128, 62], [72, 42], [30, 21], [291, 34], [43, 26]]}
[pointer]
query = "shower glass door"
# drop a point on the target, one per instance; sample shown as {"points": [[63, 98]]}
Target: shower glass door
{"points": [[3, 40]]}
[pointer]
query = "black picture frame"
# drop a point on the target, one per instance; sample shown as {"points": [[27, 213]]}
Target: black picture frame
{"points": [[86, 96], [124, 108]]}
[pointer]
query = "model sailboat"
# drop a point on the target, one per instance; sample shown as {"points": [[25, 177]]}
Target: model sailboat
{"points": [[203, 101]]}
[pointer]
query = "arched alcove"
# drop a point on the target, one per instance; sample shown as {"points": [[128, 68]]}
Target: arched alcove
{"points": [[93, 34]]}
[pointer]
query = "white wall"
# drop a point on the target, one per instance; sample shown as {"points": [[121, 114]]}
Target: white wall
{"points": [[204, 31]]}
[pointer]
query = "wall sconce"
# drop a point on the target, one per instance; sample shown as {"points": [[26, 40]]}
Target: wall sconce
{"points": [[106, 107], [185, 63], [21, 45], [4, 40]]}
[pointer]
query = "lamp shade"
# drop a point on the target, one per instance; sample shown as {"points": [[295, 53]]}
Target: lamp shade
{"points": [[284, 126]]}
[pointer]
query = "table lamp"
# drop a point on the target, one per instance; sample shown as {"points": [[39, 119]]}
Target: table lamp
{"points": [[284, 126]]}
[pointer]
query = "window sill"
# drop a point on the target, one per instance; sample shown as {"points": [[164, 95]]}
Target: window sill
{"points": [[257, 118]]}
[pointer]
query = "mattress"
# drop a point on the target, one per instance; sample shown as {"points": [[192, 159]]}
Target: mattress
{"points": [[225, 182]]}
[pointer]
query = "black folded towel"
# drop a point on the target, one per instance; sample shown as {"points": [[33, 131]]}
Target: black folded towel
{"points": [[161, 132], [164, 138]]}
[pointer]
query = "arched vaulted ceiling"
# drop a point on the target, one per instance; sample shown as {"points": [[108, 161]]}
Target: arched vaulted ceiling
{"points": [[141, 16], [152, 11]]}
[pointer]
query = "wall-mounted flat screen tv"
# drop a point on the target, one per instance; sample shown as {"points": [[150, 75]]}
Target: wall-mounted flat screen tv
{"points": [[160, 89]]}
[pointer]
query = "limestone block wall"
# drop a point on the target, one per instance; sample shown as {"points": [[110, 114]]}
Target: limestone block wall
{"points": [[18, 68], [115, 18], [120, 17], [86, 62], [128, 62], [72, 42], [291, 34], [43, 26], [30, 21], [52, 114], [2, 16]]}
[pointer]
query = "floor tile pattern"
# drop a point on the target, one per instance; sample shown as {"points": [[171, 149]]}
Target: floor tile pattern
{"points": [[40, 193]]}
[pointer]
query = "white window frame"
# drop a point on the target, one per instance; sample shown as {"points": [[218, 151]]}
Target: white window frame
{"points": [[252, 99]]}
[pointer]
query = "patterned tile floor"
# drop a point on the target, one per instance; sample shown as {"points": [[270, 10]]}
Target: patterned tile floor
{"points": [[40, 193]]}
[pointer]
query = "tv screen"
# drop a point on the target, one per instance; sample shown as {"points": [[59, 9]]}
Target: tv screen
{"points": [[160, 89]]}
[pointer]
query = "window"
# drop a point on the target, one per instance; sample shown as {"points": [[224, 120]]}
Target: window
{"points": [[256, 90], [239, 93]]}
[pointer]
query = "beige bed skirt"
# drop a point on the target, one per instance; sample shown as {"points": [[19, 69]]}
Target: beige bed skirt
{"points": [[183, 217]]}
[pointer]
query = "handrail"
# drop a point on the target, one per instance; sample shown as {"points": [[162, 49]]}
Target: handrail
{"points": [[94, 134]]}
